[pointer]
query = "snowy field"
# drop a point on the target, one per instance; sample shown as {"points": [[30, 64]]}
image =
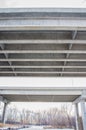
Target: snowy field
{"points": [[41, 128]]}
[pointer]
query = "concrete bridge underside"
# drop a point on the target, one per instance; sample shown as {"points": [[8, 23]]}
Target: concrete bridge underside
{"points": [[75, 95], [43, 42]]}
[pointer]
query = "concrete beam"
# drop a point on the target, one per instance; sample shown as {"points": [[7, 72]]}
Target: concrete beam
{"points": [[44, 51], [48, 60], [44, 72], [44, 67], [40, 91], [43, 94], [54, 10], [43, 24], [6, 56], [46, 10], [40, 94], [74, 33], [4, 100], [41, 41], [82, 97]]}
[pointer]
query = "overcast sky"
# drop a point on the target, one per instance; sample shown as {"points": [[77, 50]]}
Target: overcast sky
{"points": [[43, 3]]}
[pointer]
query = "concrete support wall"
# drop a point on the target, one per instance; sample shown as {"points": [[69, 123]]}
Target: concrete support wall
{"points": [[83, 111]]}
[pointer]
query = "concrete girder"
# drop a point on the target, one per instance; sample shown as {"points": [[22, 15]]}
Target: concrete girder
{"points": [[44, 51], [42, 41], [81, 98], [43, 24], [7, 56], [74, 33], [41, 66]]}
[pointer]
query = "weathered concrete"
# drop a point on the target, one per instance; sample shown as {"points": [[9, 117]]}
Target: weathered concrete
{"points": [[51, 41], [4, 112], [83, 110]]}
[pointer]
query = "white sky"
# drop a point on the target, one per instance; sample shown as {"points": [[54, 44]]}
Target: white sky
{"points": [[43, 3], [38, 106]]}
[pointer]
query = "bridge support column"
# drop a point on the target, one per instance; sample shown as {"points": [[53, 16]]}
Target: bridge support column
{"points": [[83, 111], [77, 117], [4, 112]]}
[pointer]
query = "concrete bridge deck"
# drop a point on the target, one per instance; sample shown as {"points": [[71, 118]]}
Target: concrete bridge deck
{"points": [[43, 42]]}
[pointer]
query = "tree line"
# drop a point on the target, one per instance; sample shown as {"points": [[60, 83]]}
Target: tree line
{"points": [[57, 118]]}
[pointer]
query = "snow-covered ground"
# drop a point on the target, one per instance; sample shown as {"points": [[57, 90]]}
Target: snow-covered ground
{"points": [[41, 128]]}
